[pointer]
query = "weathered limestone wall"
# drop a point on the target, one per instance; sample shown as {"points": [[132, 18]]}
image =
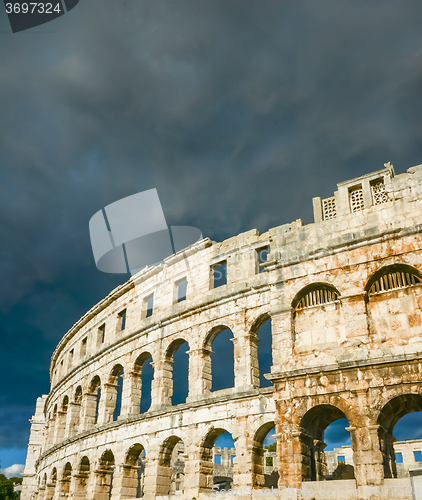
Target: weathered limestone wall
{"points": [[344, 296]]}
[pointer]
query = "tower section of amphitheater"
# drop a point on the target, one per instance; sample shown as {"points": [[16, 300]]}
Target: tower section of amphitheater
{"points": [[344, 298]]}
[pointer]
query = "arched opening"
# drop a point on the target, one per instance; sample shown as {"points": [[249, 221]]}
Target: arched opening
{"points": [[81, 480], [338, 452], [65, 482], [65, 404], [316, 314], [142, 387], [75, 413], [214, 455], [314, 425], [400, 421], [134, 472], [178, 363], [223, 455], [171, 463], [92, 402], [262, 334], [393, 277], [220, 343], [104, 476], [264, 457], [116, 391], [50, 487]]}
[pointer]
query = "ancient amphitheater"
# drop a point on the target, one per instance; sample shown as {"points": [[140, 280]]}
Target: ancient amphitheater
{"points": [[344, 295]]}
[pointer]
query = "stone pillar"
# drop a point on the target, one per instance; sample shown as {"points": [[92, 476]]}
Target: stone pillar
{"points": [[72, 419], [367, 455], [200, 378], [131, 396], [294, 463], [79, 486], [49, 491], [107, 403], [320, 459], [387, 441], [89, 417], [243, 465], [103, 479], [35, 445], [62, 489], [125, 482], [246, 366], [157, 477], [283, 338], [198, 471], [60, 426], [162, 384]]}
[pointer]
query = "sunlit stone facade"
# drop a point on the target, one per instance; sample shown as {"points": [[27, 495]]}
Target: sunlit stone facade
{"points": [[344, 296]]}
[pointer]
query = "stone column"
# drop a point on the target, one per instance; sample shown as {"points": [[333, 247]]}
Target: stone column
{"points": [[89, 406], [49, 491], [320, 459], [60, 426], [162, 384], [246, 366], [72, 419], [367, 455], [200, 378], [283, 337], [102, 483], [243, 463], [157, 477], [107, 403], [294, 463], [79, 486], [62, 489], [125, 482], [131, 396], [198, 471]]}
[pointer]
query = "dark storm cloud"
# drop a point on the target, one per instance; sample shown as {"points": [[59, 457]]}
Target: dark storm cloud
{"points": [[237, 112]]}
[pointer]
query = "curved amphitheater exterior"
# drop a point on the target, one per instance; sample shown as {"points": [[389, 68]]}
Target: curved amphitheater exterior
{"points": [[344, 295]]}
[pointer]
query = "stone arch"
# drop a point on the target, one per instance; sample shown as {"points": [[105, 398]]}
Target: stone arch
{"points": [[134, 471], [78, 395], [393, 277], [316, 314], [65, 403], [206, 465], [74, 416], [169, 372], [258, 465], [312, 426], [65, 480], [165, 463], [114, 390], [103, 481], [396, 408], [91, 403], [141, 393], [223, 358], [315, 294], [261, 350]]}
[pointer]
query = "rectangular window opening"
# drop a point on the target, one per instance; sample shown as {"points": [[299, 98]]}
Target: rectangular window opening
{"points": [[269, 461], [101, 334], [71, 352], [149, 305], [217, 459], [122, 320], [83, 347], [418, 456], [262, 254], [341, 458], [182, 287], [399, 458], [219, 274]]}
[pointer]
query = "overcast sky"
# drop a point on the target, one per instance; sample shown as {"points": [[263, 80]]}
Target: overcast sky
{"points": [[238, 112]]}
